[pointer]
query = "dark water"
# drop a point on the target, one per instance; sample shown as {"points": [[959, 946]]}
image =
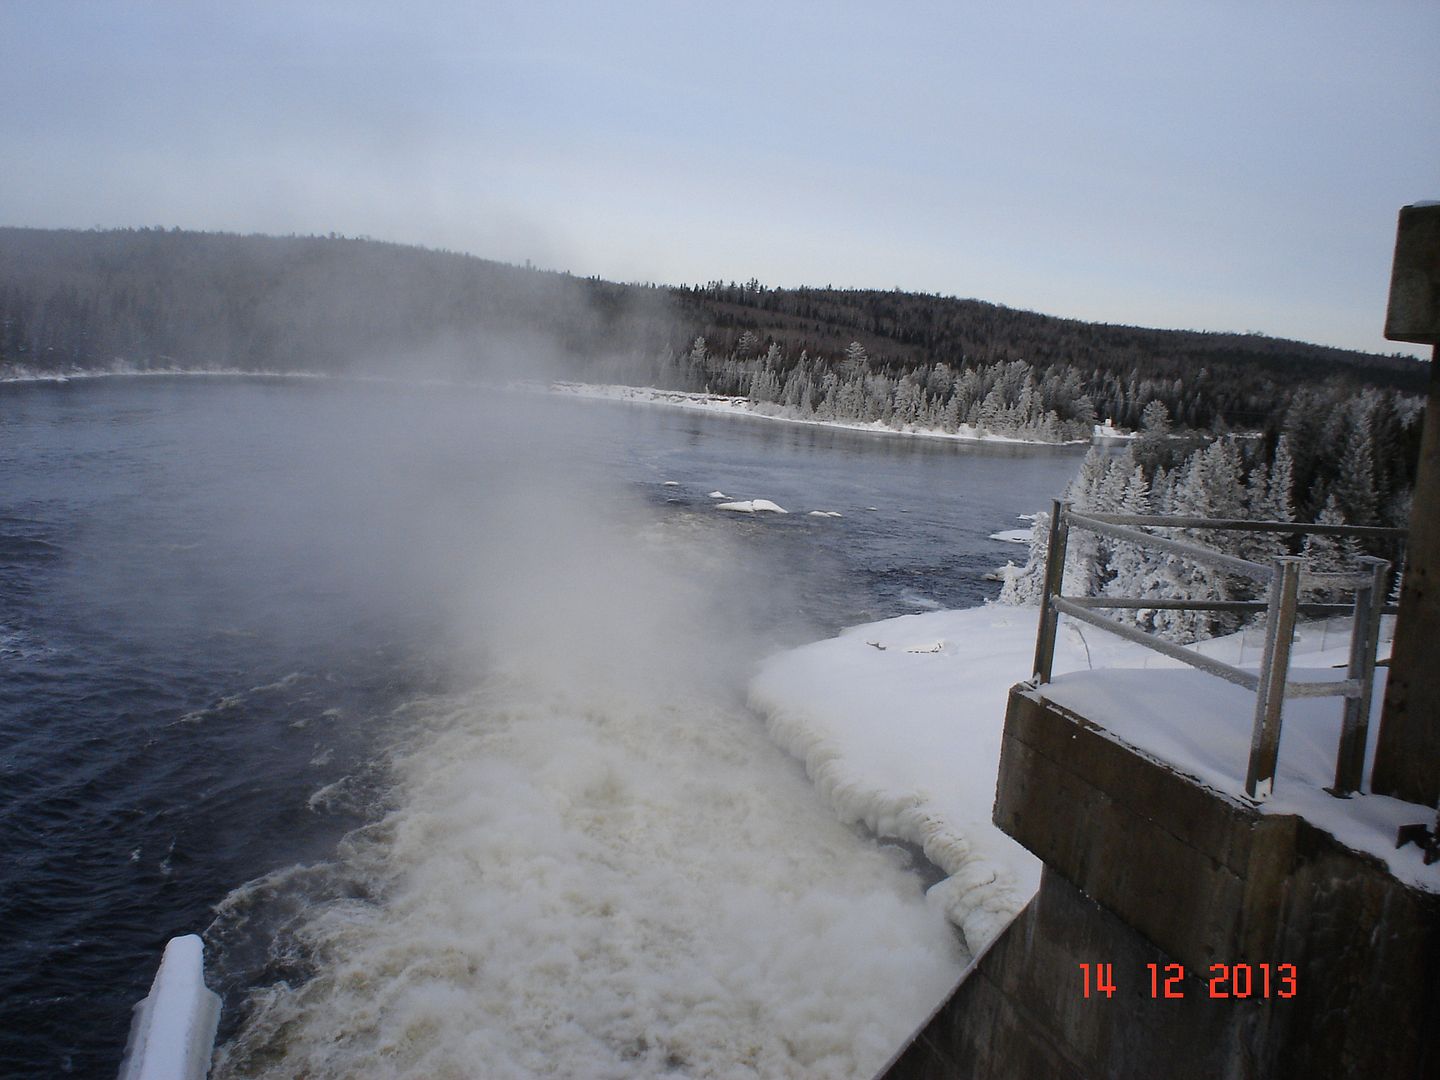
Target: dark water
{"points": [[216, 593]]}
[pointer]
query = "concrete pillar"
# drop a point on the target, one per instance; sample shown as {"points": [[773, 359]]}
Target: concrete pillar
{"points": [[1407, 758]]}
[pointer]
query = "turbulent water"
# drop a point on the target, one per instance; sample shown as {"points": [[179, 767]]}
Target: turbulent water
{"points": [[426, 706]]}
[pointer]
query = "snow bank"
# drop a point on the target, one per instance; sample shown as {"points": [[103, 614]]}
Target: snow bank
{"points": [[752, 506], [724, 403], [899, 724]]}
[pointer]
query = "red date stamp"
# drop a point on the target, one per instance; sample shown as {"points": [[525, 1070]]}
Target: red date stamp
{"points": [[1168, 981]]}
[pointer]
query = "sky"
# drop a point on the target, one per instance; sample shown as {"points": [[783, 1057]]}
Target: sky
{"points": [[1229, 166]]}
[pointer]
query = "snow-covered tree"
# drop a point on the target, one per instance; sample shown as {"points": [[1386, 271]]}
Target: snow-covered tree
{"points": [[1135, 570], [1327, 554], [1024, 585]]}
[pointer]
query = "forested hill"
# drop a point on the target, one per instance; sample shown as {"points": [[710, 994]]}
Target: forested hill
{"points": [[151, 298], [156, 298], [920, 327]]}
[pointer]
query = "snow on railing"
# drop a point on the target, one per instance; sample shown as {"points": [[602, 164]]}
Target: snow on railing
{"points": [[1284, 577], [173, 1030]]}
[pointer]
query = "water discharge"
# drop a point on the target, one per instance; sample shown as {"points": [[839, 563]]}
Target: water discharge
{"points": [[597, 864], [427, 705]]}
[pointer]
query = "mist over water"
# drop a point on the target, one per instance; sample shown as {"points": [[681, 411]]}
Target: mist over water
{"points": [[597, 864], [450, 690]]}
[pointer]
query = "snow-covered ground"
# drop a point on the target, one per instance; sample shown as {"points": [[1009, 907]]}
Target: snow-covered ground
{"points": [[720, 403], [899, 725]]}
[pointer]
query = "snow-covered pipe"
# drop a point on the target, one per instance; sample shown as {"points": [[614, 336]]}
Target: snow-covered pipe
{"points": [[173, 1031]]}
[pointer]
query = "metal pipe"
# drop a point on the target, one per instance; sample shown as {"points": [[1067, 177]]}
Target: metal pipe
{"points": [[1364, 638], [1238, 676], [1193, 552], [1346, 688], [1247, 525], [1159, 604], [1274, 671], [1054, 579]]}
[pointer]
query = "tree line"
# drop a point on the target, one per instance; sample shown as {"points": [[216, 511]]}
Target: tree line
{"points": [[1000, 398], [1289, 480], [144, 299]]}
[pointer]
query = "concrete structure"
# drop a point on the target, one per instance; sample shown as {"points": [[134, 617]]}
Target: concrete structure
{"points": [[1407, 759], [1146, 867], [1181, 932]]}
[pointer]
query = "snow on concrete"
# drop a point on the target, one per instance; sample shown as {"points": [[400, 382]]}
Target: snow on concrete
{"points": [[1201, 725], [825, 513], [1012, 536], [899, 725], [174, 1027], [718, 495], [752, 506]]}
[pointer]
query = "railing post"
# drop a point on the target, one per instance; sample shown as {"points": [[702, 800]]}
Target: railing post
{"points": [[1274, 672], [1364, 640], [1054, 579]]}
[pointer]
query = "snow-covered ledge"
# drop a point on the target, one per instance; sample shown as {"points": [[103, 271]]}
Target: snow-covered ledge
{"points": [[899, 725], [173, 1032]]}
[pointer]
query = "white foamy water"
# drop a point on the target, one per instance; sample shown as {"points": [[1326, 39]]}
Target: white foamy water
{"points": [[597, 864], [610, 888]]}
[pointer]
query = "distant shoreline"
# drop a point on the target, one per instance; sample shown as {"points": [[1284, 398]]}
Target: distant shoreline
{"points": [[740, 406], [642, 395]]}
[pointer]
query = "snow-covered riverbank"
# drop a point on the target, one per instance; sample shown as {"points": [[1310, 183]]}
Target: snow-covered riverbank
{"points": [[733, 406]]}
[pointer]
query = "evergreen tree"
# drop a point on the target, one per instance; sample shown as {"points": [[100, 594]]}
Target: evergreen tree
{"points": [[1281, 505], [1136, 570], [1354, 487], [1024, 585]]}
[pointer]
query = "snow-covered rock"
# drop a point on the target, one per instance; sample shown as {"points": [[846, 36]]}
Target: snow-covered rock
{"points": [[753, 506]]}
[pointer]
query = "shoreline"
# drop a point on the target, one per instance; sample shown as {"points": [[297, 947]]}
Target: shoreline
{"points": [[739, 406], [714, 404]]}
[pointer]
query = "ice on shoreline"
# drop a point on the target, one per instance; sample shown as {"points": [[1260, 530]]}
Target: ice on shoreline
{"points": [[753, 506], [724, 403]]}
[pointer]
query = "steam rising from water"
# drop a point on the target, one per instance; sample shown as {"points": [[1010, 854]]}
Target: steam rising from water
{"points": [[591, 860]]}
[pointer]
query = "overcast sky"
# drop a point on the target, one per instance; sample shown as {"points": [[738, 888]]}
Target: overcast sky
{"points": [[1219, 166]]}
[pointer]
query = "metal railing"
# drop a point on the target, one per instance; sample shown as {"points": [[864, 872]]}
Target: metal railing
{"points": [[1283, 579]]}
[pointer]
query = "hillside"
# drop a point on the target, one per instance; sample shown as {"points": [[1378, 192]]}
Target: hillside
{"points": [[147, 298]]}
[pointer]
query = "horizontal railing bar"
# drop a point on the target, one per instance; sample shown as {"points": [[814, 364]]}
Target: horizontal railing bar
{"points": [[1238, 676], [1140, 603], [1243, 525], [1193, 552], [1326, 688], [1325, 609], [1161, 604], [1349, 582]]}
